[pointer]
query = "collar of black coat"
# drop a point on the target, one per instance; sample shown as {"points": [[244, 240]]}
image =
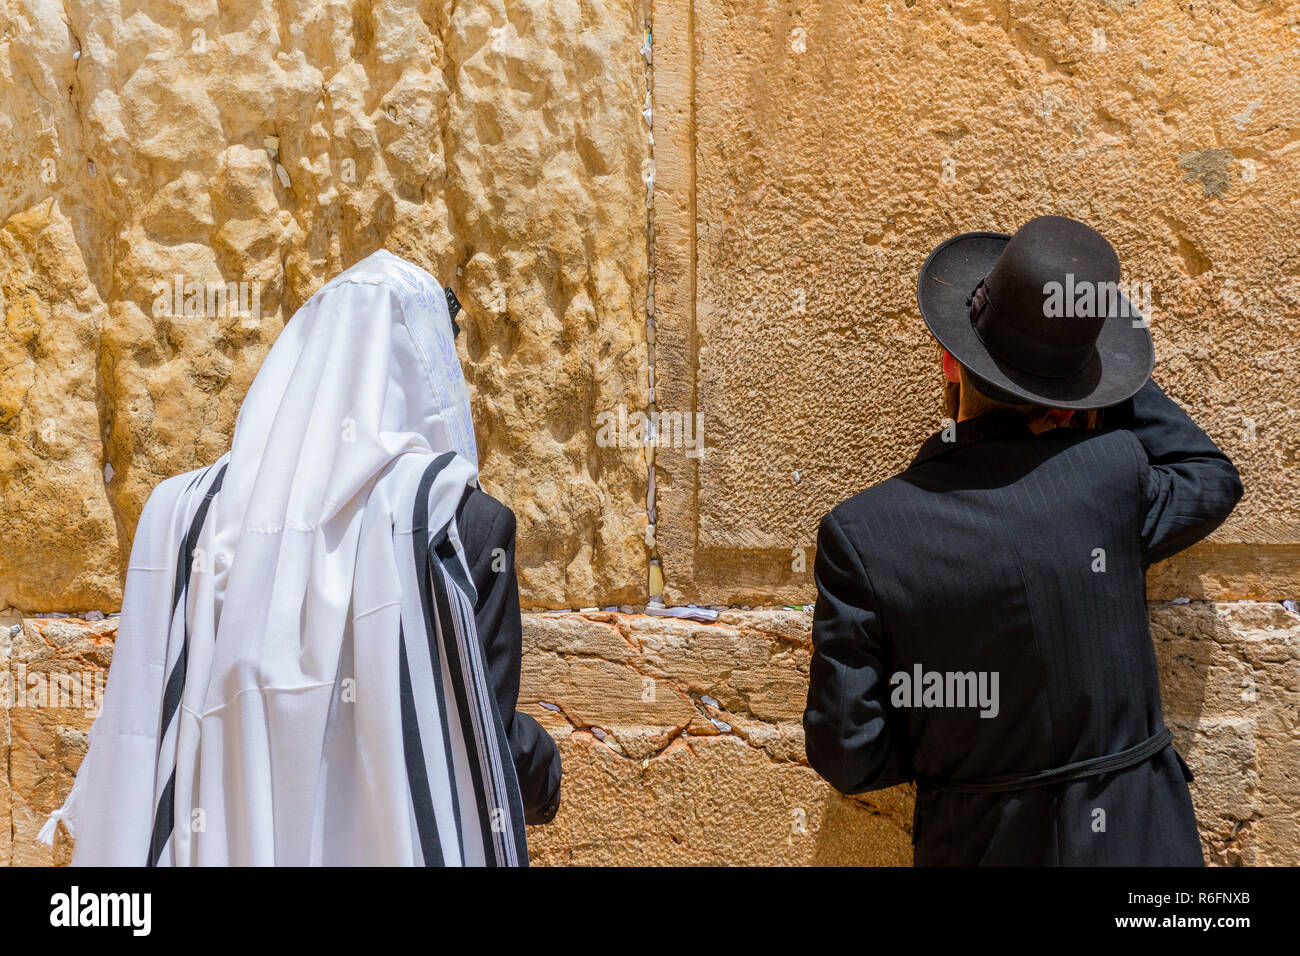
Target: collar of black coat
{"points": [[1000, 424]]}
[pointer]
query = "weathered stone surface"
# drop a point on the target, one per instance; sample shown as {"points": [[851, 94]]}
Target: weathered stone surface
{"points": [[501, 146], [809, 156], [1231, 682], [1214, 571], [708, 800], [643, 681], [56, 669], [6, 809], [58, 537], [683, 742]]}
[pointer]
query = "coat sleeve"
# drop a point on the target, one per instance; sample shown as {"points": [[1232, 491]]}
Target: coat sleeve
{"points": [[853, 738], [1188, 484], [489, 536]]}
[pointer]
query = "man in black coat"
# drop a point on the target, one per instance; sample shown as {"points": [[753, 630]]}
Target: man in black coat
{"points": [[487, 529], [488, 532], [981, 624]]}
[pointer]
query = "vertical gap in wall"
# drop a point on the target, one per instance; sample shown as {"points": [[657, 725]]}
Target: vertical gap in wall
{"points": [[655, 582], [6, 648]]}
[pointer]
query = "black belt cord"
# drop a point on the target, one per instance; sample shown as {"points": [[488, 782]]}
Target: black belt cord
{"points": [[1093, 767]]}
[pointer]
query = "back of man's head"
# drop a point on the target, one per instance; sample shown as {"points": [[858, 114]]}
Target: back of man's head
{"points": [[962, 399]]}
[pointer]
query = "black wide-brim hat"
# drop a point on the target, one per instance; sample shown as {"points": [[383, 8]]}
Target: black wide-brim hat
{"points": [[1021, 357]]}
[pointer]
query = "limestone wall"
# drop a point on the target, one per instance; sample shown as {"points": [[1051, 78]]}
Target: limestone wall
{"points": [[499, 145], [753, 262]]}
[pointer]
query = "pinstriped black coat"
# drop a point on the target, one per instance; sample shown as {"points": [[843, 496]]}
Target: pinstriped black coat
{"points": [[1002, 551]]}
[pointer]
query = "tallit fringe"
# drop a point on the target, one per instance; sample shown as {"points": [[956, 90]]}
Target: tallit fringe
{"points": [[65, 814]]}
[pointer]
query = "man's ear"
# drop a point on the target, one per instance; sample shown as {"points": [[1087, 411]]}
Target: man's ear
{"points": [[1061, 415], [951, 369]]}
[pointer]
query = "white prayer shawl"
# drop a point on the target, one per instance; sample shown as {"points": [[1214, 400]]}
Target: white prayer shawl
{"points": [[297, 678]]}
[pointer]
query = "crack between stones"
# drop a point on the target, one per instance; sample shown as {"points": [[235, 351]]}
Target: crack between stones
{"points": [[654, 570], [9, 762]]}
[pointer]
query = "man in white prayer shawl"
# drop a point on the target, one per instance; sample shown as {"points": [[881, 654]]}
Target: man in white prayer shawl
{"points": [[318, 655]]}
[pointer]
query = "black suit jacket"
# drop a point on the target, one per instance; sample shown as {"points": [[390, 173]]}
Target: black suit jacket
{"points": [[1004, 552], [487, 529]]}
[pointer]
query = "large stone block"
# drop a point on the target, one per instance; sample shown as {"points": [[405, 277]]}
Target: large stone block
{"points": [[809, 156], [709, 801], [683, 744], [499, 145]]}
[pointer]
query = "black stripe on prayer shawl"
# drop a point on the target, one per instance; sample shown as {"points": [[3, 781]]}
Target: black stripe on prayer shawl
{"points": [[420, 546], [467, 724], [489, 719], [163, 816], [450, 626], [455, 570], [416, 772], [162, 820]]}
